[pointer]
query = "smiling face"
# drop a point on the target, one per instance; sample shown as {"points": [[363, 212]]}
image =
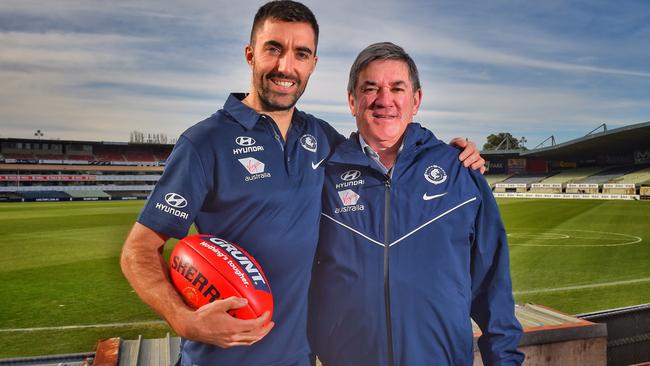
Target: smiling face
{"points": [[282, 57], [384, 102]]}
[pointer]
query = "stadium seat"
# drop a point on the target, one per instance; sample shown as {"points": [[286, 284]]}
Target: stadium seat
{"points": [[572, 175], [637, 177], [492, 179]]}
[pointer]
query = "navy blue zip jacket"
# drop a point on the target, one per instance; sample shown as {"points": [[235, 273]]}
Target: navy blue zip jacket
{"points": [[404, 261]]}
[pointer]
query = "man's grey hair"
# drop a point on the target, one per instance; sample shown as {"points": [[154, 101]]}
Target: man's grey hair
{"points": [[379, 52]]}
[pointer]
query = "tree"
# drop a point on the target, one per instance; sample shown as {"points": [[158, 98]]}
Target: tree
{"points": [[504, 141], [136, 137], [140, 137]]}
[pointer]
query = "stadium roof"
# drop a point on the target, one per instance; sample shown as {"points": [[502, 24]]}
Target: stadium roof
{"points": [[623, 140]]}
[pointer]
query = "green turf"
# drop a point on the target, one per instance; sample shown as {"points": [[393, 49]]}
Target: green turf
{"points": [[60, 266], [569, 243]]}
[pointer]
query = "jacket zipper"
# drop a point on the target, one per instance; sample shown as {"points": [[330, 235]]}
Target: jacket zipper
{"points": [[389, 325]]}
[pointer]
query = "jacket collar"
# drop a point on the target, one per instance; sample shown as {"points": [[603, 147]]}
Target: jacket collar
{"points": [[415, 137], [247, 117]]}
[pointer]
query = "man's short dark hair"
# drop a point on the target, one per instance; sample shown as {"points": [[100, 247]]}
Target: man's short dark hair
{"points": [[286, 11], [382, 51]]}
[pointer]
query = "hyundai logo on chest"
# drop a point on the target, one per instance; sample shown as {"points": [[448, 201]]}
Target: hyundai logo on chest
{"points": [[247, 144], [350, 178]]}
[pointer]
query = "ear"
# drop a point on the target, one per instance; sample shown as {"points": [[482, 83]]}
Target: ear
{"points": [[417, 99], [315, 62], [351, 104], [248, 54]]}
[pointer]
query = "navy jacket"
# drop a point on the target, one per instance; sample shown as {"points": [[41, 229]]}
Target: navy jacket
{"points": [[404, 261]]}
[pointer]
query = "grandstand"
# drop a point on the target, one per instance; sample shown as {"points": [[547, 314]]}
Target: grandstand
{"points": [[571, 175], [609, 175], [610, 164], [54, 170], [526, 178], [518, 183], [493, 179], [639, 176]]}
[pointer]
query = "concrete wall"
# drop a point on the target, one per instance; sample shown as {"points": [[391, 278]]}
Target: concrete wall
{"points": [[592, 352]]}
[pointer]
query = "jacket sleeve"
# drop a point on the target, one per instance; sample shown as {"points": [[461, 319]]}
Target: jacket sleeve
{"points": [[184, 178], [492, 300]]}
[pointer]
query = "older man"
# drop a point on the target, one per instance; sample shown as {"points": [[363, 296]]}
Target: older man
{"points": [[411, 243]]}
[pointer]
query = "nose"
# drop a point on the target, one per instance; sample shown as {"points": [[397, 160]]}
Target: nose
{"points": [[285, 63], [384, 97]]}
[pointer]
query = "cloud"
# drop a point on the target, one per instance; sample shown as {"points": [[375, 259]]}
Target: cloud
{"points": [[96, 69]]}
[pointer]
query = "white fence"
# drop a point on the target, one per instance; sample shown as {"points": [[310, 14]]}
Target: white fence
{"points": [[568, 196], [547, 185], [107, 187]]}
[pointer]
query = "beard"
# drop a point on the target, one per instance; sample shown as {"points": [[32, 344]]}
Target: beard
{"points": [[273, 101]]}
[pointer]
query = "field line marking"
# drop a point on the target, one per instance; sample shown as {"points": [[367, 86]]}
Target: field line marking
{"points": [[86, 326], [636, 239], [582, 287]]}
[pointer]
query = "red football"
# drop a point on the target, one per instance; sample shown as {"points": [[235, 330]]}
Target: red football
{"points": [[205, 268]]}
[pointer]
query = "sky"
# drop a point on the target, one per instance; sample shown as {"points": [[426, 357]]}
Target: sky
{"points": [[97, 70]]}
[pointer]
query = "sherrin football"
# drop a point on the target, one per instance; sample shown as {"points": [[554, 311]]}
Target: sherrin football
{"points": [[205, 268]]}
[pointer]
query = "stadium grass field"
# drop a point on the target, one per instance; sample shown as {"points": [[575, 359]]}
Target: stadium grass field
{"points": [[62, 289]]}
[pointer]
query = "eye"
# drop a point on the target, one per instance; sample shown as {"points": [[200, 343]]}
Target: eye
{"points": [[273, 50], [397, 89], [302, 55], [369, 89]]}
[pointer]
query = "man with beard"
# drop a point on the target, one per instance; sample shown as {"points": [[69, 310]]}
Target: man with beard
{"points": [[252, 174]]}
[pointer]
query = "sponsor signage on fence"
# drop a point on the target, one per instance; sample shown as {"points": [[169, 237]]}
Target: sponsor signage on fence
{"points": [[108, 187], [569, 196], [83, 162], [47, 178], [582, 185], [620, 185], [547, 185], [511, 185]]}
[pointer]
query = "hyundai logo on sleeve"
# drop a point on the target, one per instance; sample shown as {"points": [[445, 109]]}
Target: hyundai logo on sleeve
{"points": [[175, 200]]}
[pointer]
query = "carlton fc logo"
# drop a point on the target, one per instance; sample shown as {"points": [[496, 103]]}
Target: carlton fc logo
{"points": [[175, 200], [245, 141], [309, 142], [435, 174]]}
